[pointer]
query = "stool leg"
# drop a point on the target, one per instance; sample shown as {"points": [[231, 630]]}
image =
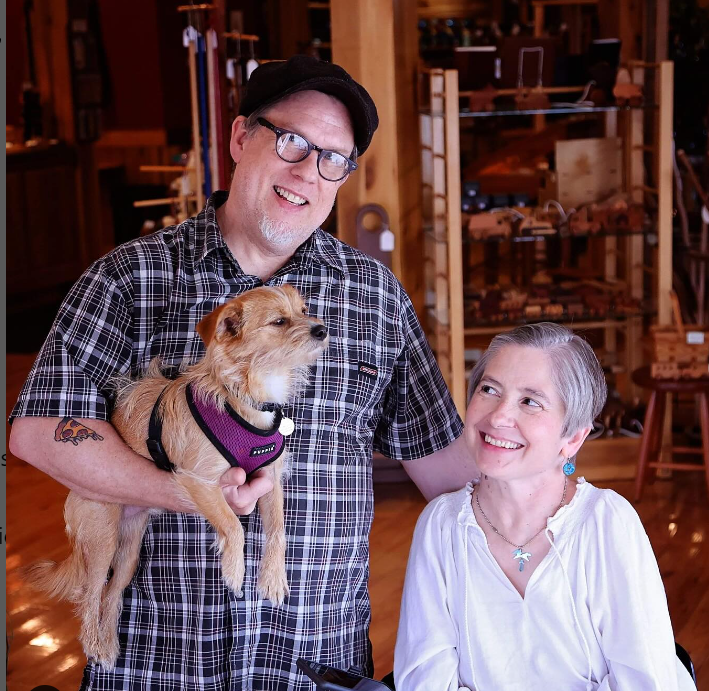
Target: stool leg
{"points": [[645, 444], [658, 429], [704, 421]]}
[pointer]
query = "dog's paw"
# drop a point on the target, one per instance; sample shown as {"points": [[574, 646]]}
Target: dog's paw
{"points": [[107, 652], [273, 585], [233, 571], [220, 543], [108, 649], [98, 645]]}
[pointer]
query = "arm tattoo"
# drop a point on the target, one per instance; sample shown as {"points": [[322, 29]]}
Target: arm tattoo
{"points": [[71, 430]]}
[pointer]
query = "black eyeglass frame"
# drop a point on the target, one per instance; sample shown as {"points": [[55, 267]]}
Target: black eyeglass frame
{"points": [[279, 132]]}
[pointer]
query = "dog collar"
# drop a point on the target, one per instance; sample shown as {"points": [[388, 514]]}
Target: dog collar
{"points": [[241, 444]]}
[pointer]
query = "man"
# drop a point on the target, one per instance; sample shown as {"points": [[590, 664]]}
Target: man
{"points": [[301, 124]]}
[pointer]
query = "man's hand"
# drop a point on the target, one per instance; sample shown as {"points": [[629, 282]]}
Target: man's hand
{"points": [[242, 495]]}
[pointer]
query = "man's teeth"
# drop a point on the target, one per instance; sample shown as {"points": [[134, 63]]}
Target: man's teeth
{"points": [[292, 198], [502, 444]]}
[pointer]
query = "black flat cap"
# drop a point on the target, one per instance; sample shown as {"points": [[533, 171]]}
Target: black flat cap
{"points": [[274, 80]]}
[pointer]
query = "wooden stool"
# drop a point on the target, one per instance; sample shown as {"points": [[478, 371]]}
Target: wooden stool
{"points": [[654, 422]]}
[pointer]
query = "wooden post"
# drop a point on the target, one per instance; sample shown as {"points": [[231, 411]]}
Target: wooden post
{"points": [[356, 27], [439, 250], [376, 43], [654, 40], [610, 243], [455, 242], [410, 240], [664, 175], [635, 179]]}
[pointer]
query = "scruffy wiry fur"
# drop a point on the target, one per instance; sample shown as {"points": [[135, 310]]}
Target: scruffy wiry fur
{"points": [[259, 348]]}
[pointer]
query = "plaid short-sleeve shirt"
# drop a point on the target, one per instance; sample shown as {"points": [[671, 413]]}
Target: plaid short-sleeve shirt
{"points": [[377, 386]]}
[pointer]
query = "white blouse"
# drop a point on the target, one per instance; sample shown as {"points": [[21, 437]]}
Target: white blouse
{"points": [[594, 616]]}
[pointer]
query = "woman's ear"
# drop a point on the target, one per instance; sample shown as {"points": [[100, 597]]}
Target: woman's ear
{"points": [[573, 443]]}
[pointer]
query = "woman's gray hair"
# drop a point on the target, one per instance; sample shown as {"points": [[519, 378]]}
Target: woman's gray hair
{"points": [[575, 370]]}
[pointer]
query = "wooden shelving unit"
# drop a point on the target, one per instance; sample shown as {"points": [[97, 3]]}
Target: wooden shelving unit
{"points": [[441, 177]]}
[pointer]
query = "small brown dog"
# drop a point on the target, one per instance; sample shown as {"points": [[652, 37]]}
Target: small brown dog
{"points": [[260, 346]]}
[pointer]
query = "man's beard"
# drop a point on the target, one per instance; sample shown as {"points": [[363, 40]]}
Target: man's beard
{"points": [[277, 232]]}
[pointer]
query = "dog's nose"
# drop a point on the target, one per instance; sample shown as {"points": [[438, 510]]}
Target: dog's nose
{"points": [[319, 331]]}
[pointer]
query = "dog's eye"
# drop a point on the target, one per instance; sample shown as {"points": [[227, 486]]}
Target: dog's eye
{"points": [[282, 321], [305, 311]]}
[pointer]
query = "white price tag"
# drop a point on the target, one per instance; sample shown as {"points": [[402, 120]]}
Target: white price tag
{"points": [[695, 337], [386, 241], [251, 65]]}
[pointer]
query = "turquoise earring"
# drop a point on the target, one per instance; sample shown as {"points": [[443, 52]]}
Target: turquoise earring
{"points": [[569, 467]]}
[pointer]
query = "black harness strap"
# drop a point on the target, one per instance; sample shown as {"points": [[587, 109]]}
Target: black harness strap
{"points": [[154, 440]]}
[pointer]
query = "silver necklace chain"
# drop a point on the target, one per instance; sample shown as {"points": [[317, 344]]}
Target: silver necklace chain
{"points": [[480, 508]]}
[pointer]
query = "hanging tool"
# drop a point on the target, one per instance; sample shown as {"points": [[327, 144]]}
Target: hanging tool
{"points": [[212, 79], [204, 122], [189, 40]]}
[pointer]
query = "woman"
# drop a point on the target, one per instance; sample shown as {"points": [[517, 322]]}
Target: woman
{"points": [[528, 579]]}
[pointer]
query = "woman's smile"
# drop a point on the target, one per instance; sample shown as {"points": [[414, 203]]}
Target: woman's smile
{"points": [[500, 443]]}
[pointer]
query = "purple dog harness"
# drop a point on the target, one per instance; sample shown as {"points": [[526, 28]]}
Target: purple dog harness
{"points": [[241, 444]]}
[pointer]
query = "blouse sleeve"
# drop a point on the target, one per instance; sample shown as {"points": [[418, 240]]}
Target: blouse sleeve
{"points": [[629, 607], [426, 655]]}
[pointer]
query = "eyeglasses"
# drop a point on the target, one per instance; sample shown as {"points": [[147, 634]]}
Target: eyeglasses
{"points": [[292, 148]]}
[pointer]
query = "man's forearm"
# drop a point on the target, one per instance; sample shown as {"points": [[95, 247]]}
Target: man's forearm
{"points": [[89, 457], [446, 470]]}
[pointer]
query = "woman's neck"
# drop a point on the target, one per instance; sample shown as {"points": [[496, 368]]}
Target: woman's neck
{"points": [[518, 506]]}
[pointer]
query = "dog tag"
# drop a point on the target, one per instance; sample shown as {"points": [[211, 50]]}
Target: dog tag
{"points": [[286, 427]]}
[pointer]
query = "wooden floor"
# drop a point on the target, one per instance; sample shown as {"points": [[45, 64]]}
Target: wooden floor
{"points": [[43, 646]]}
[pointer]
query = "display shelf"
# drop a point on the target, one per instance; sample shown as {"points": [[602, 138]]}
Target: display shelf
{"points": [[585, 321], [507, 111], [649, 233], [645, 132]]}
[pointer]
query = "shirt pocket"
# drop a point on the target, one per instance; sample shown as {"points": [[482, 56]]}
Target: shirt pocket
{"points": [[352, 382]]}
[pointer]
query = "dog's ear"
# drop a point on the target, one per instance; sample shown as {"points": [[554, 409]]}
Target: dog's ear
{"points": [[232, 322], [207, 327], [224, 319]]}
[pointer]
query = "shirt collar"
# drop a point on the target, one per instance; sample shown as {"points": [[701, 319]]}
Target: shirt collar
{"points": [[319, 247], [208, 237]]}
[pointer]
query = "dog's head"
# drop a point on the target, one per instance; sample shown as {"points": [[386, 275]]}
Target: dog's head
{"points": [[265, 340]]}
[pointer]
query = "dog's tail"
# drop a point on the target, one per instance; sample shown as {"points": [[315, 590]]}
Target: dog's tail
{"points": [[64, 580]]}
